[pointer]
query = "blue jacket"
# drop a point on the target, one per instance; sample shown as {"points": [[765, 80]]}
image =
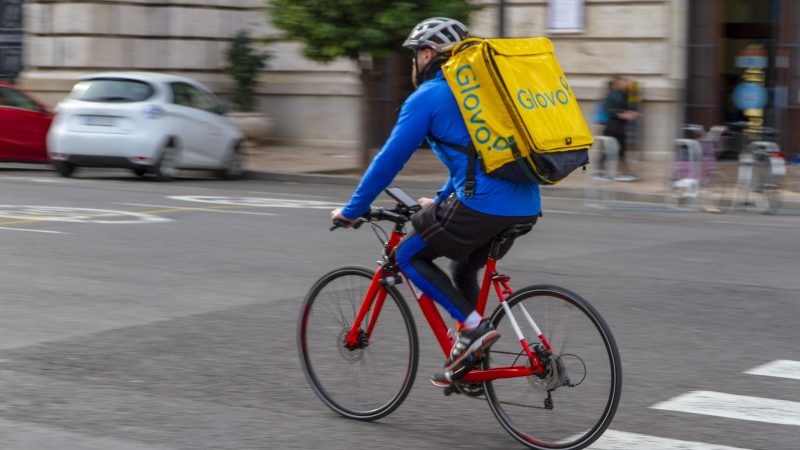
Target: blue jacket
{"points": [[432, 110]]}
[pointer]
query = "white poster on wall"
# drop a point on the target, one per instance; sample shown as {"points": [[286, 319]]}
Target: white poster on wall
{"points": [[565, 16]]}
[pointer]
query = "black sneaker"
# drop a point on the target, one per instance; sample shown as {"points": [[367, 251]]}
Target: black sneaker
{"points": [[470, 345], [447, 378], [442, 380]]}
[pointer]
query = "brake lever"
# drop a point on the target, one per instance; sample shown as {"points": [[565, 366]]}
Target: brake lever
{"points": [[339, 223]]}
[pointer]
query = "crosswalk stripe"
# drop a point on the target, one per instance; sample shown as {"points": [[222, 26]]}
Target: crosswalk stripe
{"points": [[622, 440], [781, 368], [732, 406]]}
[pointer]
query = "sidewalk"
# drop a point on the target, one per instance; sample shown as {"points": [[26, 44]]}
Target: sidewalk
{"points": [[341, 166]]}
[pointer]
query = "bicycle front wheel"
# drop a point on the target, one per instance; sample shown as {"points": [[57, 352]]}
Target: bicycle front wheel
{"points": [[368, 382], [573, 403]]}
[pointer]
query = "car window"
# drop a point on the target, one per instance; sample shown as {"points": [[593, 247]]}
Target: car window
{"points": [[202, 100], [185, 94], [15, 99], [116, 90], [180, 94]]}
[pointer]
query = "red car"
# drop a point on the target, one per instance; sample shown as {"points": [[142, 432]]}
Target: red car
{"points": [[23, 126]]}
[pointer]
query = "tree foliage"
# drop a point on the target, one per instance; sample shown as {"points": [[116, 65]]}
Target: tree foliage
{"points": [[244, 65], [346, 28]]}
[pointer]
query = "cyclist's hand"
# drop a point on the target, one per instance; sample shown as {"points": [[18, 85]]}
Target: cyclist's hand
{"points": [[425, 201], [336, 215]]}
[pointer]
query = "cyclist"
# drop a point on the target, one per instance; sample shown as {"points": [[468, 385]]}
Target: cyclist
{"points": [[453, 225]]}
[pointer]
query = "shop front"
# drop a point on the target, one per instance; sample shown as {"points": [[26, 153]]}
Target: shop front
{"points": [[744, 67]]}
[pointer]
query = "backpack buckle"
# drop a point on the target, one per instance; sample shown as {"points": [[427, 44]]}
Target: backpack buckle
{"points": [[469, 188]]}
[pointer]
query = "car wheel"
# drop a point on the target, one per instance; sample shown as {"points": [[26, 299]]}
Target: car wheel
{"points": [[65, 168], [166, 167], [140, 172], [234, 166]]}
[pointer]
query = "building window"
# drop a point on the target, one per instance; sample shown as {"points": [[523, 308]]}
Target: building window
{"points": [[565, 16]]}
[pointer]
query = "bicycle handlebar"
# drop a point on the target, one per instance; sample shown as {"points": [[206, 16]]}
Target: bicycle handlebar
{"points": [[402, 212], [398, 215]]}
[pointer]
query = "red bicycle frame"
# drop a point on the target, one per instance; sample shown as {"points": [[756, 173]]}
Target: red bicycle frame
{"points": [[376, 295]]}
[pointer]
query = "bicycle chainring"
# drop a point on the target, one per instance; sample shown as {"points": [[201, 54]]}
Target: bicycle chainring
{"points": [[468, 389]]}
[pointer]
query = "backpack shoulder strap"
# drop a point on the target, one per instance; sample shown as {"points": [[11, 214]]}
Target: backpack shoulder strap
{"points": [[472, 154]]}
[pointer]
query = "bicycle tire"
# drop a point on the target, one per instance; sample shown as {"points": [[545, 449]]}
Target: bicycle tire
{"points": [[356, 383], [585, 355]]}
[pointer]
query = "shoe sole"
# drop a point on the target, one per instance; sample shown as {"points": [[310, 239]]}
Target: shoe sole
{"points": [[441, 384], [475, 350]]}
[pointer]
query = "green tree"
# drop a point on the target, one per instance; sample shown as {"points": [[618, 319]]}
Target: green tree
{"points": [[244, 64], [332, 29]]}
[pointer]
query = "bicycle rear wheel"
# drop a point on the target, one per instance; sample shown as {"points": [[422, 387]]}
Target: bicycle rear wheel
{"points": [[368, 382], [574, 403]]}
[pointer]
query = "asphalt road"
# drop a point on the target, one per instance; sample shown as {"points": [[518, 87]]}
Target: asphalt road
{"points": [[140, 315]]}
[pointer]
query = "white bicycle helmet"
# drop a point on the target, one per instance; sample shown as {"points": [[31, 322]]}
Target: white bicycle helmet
{"points": [[438, 33]]}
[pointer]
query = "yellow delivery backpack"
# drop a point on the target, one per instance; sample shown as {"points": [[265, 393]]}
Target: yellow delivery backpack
{"points": [[522, 116]]}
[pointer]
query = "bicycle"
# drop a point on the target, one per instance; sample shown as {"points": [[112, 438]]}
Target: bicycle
{"points": [[762, 167], [555, 385], [695, 174]]}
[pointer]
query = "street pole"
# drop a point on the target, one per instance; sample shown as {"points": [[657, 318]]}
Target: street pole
{"points": [[501, 19]]}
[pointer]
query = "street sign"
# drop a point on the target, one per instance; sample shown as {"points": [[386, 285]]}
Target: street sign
{"points": [[750, 96]]}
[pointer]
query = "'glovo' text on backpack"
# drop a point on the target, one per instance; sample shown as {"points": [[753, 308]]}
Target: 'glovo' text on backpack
{"points": [[528, 100], [471, 103]]}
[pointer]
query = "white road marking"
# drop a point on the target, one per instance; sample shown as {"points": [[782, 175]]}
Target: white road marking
{"points": [[742, 407], [198, 209], [622, 440], [74, 215], [780, 368], [256, 201], [31, 231], [36, 180]]}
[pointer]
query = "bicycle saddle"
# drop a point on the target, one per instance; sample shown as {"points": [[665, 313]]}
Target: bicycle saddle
{"points": [[503, 240], [514, 231]]}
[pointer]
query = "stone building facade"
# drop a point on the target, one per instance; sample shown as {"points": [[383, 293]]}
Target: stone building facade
{"points": [[312, 104], [315, 104]]}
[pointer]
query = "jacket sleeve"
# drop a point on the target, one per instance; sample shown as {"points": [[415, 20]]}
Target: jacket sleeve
{"points": [[413, 124], [445, 191]]}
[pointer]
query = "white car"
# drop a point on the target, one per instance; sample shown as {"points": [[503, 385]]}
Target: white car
{"points": [[150, 123]]}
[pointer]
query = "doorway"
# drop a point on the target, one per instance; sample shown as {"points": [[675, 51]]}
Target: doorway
{"points": [[727, 37], [10, 39]]}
